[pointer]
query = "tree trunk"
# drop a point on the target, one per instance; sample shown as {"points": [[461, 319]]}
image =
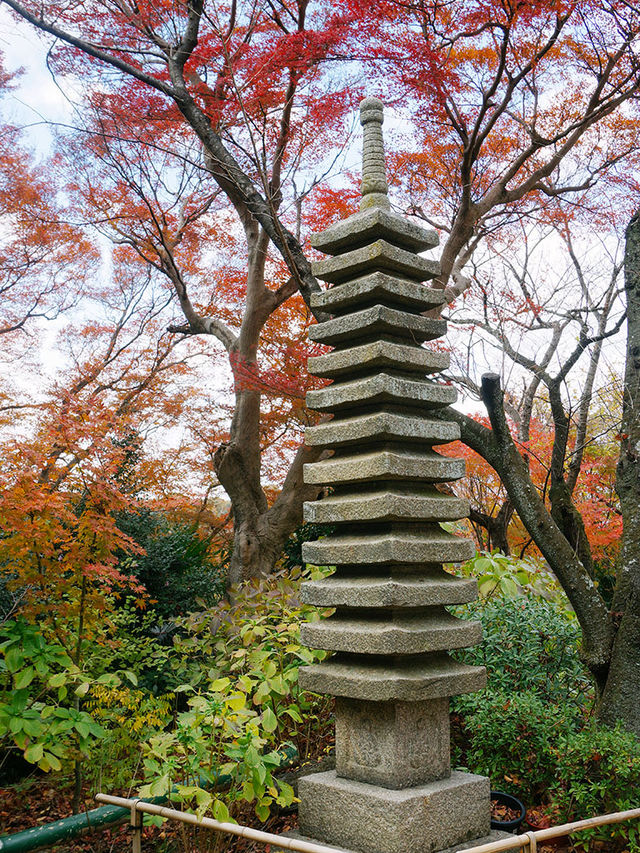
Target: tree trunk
{"points": [[497, 526], [621, 696], [611, 637], [261, 531]]}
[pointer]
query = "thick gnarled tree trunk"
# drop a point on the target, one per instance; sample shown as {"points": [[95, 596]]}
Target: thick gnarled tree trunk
{"points": [[621, 695], [260, 531]]}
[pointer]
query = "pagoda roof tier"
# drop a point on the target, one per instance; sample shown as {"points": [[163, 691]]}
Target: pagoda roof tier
{"points": [[381, 388], [379, 256], [380, 426], [396, 633], [376, 321], [378, 287], [412, 680], [421, 545], [397, 590], [385, 464], [388, 503], [381, 354], [366, 226]]}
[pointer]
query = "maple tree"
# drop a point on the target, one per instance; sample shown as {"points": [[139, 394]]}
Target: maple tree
{"points": [[517, 108], [563, 519], [250, 87], [277, 129], [161, 210], [44, 261], [65, 482], [63, 478]]}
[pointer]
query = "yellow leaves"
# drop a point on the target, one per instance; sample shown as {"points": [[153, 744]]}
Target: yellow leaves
{"points": [[135, 711]]}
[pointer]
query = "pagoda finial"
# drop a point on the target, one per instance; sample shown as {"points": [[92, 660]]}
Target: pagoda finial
{"points": [[374, 182]]}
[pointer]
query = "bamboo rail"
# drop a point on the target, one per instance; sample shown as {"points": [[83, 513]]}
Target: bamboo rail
{"points": [[531, 839], [528, 839], [137, 806]]}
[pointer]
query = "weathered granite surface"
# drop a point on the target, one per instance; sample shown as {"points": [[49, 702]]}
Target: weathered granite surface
{"points": [[381, 255], [392, 633], [370, 818], [392, 503], [403, 589], [398, 546], [381, 426], [378, 287], [380, 355], [392, 790], [393, 744], [412, 679], [381, 388], [494, 835], [374, 321], [385, 465], [374, 224]]}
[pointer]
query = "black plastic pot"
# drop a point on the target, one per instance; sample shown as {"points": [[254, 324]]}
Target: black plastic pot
{"points": [[511, 803]]}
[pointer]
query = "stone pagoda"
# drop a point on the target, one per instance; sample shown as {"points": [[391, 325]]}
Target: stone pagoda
{"points": [[393, 790]]}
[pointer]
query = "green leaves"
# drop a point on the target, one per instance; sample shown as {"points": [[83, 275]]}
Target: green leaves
{"points": [[240, 671], [24, 677], [34, 753], [39, 677], [13, 658], [221, 812], [508, 577], [269, 720]]}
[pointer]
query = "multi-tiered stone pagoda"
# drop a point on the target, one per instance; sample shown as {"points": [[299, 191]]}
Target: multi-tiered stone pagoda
{"points": [[393, 790]]}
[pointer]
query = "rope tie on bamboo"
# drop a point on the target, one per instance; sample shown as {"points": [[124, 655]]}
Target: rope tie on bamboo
{"points": [[374, 181], [533, 844]]}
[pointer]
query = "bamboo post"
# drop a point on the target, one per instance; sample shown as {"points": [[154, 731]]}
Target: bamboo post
{"points": [[527, 840], [135, 822], [552, 832]]}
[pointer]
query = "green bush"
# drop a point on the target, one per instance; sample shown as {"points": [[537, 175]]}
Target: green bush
{"points": [[537, 694], [514, 739], [40, 694], [131, 646], [177, 570], [529, 645], [499, 576], [598, 772], [239, 662]]}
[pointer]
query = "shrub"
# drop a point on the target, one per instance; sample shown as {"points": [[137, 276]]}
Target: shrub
{"points": [[514, 738], [499, 576], [177, 568], [239, 662], [221, 742], [131, 646], [128, 717], [529, 645], [598, 772], [40, 693]]}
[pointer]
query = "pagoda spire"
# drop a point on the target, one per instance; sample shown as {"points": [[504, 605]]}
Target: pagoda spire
{"points": [[374, 181]]}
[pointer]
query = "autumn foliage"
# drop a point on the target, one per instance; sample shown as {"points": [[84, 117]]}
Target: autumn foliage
{"points": [[171, 226]]}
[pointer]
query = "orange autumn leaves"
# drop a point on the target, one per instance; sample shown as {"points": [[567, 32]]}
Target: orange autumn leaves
{"points": [[594, 496]]}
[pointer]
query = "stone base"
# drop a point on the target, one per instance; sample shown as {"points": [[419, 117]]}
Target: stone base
{"points": [[356, 816], [494, 835]]}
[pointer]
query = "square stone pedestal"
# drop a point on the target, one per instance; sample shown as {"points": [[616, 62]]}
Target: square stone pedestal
{"points": [[366, 818], [392, 744]]}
